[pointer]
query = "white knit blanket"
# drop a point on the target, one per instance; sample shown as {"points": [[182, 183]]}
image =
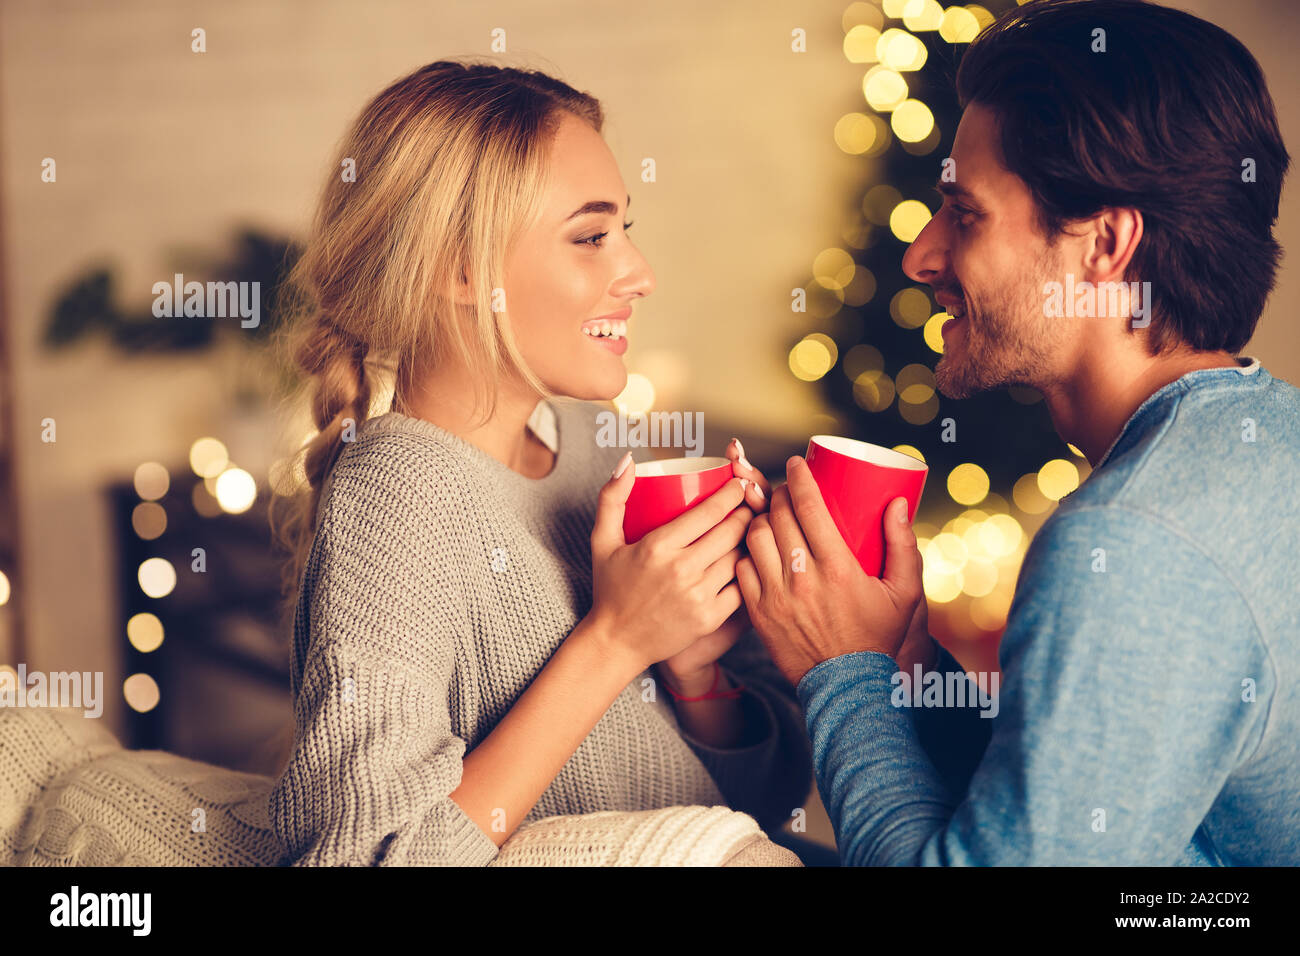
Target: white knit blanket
{"points": [[70, 795]]}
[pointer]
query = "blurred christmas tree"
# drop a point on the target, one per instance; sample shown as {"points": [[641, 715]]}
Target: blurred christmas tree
{"points": [[997, 465]]}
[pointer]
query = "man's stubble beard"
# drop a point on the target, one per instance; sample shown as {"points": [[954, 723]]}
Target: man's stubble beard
{"points": [[1007, 342]]}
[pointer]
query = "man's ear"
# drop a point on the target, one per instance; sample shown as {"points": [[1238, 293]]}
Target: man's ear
{"points": [[1115, 234]]}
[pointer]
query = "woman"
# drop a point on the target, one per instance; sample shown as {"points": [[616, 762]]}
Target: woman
{"points": [[475, 645]]}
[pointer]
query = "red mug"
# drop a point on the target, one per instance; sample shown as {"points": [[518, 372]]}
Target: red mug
{"points": [[858, 480], [665, 489]]}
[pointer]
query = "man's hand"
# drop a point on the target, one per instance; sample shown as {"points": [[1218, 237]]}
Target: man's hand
{"points": [[807, 596]]}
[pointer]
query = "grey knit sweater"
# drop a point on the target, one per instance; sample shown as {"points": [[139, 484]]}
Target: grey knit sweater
{"points": [[438, 584]]}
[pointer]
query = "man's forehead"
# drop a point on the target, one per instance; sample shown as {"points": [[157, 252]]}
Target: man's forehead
{"points": [[977, 153], [975, 147]]}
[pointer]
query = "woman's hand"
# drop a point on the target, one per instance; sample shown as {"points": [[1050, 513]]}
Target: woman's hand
{"points": [[656, 597], [757, 489], [691, 670]]}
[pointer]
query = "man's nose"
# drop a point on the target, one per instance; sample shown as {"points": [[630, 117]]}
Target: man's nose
{"points": [[926, 257]]}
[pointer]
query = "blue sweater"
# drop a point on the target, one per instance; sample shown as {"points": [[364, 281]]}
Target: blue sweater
{"points": [[1149, 707]]}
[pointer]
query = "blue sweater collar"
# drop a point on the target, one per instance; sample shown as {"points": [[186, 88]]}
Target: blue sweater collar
{"points": [[1248, 372]]}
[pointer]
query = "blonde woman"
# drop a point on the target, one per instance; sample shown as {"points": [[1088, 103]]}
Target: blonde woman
{"points": [[475, 645]]}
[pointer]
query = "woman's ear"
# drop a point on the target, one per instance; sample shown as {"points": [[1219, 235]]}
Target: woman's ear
{"points": [[462, 294]]}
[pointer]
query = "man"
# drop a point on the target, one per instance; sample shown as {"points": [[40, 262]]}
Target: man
{"points": [[1149, 710]]}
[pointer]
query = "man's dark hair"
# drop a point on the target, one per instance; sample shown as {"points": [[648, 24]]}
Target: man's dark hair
{"points": [[1162, 122]]}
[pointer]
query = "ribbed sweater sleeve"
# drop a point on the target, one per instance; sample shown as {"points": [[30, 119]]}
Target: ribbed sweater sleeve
{"points": [[374, 757]]}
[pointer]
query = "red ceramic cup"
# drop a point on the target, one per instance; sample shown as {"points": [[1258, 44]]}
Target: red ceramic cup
{"points": [[858, 480], [665, 489]]}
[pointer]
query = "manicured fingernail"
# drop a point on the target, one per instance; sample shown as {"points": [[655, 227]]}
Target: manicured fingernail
{"points": [[902, 512], [623, 463], [759, 489]]}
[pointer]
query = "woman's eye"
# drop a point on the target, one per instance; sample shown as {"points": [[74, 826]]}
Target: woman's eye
{"points": [[595, 240]]}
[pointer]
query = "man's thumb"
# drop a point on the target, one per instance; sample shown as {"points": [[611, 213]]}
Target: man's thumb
{"points": [[902, 558], [607, 535]]}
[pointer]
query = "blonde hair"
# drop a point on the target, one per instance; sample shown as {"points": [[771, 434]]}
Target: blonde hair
{"points": [[450, 164]]}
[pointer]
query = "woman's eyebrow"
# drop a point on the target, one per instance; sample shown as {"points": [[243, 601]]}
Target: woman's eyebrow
{"points": [[602, 206]]}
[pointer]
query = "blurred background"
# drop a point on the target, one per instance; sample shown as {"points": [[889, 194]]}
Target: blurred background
{"points": [[795, 146]]}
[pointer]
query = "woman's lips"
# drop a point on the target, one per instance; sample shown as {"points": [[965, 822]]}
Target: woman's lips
{"points": [[609, 332], [618, 346]]}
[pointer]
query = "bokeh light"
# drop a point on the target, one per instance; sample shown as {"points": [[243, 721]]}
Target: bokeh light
{"points": [[899, 50], [835, 265], [910, 307], [912, 121], [933, 333], [813, 356], [637, 397], [968, 484], [157, 577], [873, 390], [860, 44], [855, 133], [141, 693], [884, 88], [920, 15], [1057, 478], [151, 481], [879, 202], [208, 457], [862, 358], [148, 520], [145, 632], [959, 25], [908, 219], [1028, 497], [236, 490], [861, 13]]}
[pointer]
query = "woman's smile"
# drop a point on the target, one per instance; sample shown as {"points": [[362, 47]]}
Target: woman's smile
{"points": [[609, 331]]}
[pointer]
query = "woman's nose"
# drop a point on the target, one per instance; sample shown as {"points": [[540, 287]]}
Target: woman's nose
{"points": [[639, 279]]}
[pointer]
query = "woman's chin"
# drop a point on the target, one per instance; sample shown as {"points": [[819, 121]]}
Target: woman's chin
{"points": [[599, 385]]}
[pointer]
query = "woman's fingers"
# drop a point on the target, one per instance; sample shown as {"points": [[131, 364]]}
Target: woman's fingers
{"points": [[693, 524], [721, 538], [607, 535], [764, 556], [721, 572], [758, 490]]}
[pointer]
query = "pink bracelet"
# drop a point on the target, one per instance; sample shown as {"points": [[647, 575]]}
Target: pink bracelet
{"points": [[711, 695]]}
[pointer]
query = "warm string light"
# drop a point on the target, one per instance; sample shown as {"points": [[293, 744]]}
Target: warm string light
{"points": [[223, 488], [975, 556]]}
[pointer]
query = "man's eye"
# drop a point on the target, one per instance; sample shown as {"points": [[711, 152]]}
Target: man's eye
{"points": [[959, 216]]}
